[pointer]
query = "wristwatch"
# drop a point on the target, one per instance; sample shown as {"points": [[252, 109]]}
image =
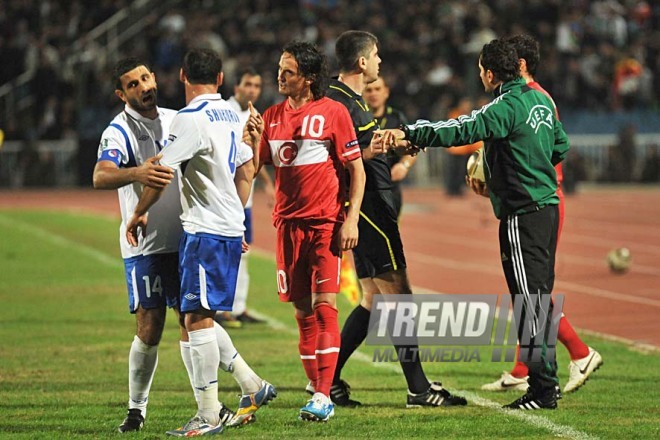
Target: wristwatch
{"points": [[406, 131]]}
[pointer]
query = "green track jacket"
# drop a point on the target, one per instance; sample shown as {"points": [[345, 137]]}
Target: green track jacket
{"points": [[523, 141]]}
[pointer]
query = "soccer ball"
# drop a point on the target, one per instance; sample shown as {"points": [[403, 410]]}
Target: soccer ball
{"points": [[619, 260], [475, 165]]}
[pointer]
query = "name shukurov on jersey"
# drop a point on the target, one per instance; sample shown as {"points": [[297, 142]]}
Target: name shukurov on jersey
{"points": [[205, 142]]}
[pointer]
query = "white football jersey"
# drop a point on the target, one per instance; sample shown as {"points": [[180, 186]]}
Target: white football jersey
{"points": [[128, 141], [243, 116], [205, 142]]}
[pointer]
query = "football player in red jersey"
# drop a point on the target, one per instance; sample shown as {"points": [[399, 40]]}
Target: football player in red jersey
{"points": [[310, 140]]}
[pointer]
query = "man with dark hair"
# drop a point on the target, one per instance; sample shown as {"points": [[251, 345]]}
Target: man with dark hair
{"points": [[310, 140], [379, 259], [584, 359], [125, 163], [376, 95], [246, 90], [215, 184], [523, 142]]}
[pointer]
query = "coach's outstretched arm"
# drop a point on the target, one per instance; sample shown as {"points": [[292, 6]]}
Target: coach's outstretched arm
{"points": [[107, 175]]}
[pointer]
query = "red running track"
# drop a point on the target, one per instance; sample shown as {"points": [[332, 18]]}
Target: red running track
{"points": [[451, 247]]}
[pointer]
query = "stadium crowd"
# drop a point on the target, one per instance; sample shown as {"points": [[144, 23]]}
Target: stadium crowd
{"points": [[597, 55]]}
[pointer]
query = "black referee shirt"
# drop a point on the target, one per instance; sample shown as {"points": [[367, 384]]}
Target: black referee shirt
{"points": [[377, 169], [392, 118]]}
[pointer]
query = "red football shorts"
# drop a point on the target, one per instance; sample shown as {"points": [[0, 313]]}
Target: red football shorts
{"points": [[308, 260]]}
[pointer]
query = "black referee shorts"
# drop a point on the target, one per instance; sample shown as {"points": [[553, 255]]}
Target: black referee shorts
{"points": [[379, 248]]}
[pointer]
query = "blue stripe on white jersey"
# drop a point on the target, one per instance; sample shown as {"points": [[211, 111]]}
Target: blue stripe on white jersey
{"points": [[131, 155], [129, 140], [209, 142], [195, 109], [113, 156]]}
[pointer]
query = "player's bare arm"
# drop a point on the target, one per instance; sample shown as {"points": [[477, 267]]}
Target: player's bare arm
{"points": [[107, 175], [348, 234], [252, 131], [243, 180], [269, 186], [400, 169], [139, 219]]}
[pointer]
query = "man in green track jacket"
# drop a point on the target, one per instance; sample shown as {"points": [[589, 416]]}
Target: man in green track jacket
{"points": [[523, 142]]}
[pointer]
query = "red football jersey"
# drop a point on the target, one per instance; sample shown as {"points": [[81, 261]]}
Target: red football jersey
{"points": [[308, 148]]}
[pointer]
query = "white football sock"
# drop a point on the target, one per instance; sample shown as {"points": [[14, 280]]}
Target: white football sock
{"points": [[242, 286], [205, 360], [142, 362], [320, 397], [187, 361], [231, 361], [225, 346], [244, 375]]}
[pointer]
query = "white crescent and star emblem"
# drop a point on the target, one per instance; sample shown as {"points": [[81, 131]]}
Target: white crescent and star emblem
{"points": [[287, 152]]}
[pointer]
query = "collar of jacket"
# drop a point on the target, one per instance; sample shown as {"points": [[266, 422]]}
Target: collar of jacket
{"points": [[505, 87]]}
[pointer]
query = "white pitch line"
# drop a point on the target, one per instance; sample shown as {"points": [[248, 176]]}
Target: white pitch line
{"points": [[532, 419], [59, 240], [535, 420], [103, 258]]}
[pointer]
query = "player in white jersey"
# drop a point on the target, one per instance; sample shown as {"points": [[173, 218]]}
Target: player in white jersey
{"points": [[126, 163], [217, 170], [247, 89]]}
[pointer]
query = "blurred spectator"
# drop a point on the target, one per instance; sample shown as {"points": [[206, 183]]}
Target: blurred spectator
{"points": [[651, 167], [627, 83], [621, 157], [600, 55], [456, 157], [575, 171]]}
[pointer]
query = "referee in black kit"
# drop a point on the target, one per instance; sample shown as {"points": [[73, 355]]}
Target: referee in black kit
{"points": [[376, 95], [379, 259]]}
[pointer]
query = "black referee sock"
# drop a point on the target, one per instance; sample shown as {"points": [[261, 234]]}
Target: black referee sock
{"points": [[352, 335], [412, 368]]}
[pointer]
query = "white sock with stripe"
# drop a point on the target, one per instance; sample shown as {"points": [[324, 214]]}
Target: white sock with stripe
{"points": [[205, 360], [231, 361], [244, 375], [242, 286], [187, 361]]}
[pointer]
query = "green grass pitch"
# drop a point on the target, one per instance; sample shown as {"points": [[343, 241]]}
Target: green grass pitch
{"points": [[65, 333]]}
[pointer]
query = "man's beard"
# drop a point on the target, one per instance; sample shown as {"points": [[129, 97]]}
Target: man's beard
{"points": [[146, 102]]}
